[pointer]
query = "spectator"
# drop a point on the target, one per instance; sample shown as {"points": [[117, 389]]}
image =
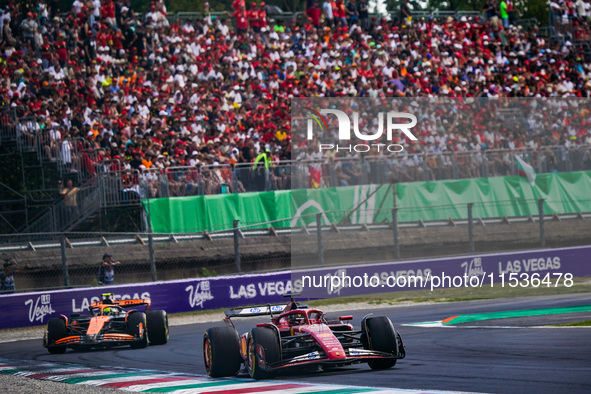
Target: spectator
{"points": [[262, 15], [70, 194], [237, 4], [28, 28], [581, 7], [140, 89], [241, 19], [315, 13], [207, 17], [106, 274], [7, 278], [351, 12], [490, 7], [511, 10], [327, 11], [339, 12], [504, 9], [253, 18], [363, 10], [405, 15]]}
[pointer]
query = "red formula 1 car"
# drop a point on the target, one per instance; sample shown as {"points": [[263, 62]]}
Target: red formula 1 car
{"points": [[108, 324], [298, 336]]}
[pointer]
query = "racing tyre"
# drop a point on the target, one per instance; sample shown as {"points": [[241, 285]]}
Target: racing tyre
{"points": [[157, 327], [381, 337], [56, 329], [221, 352], [136, 326], [263, 343]]}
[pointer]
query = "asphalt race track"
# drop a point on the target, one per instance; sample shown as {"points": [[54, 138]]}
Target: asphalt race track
{"points": [[522, 358]]}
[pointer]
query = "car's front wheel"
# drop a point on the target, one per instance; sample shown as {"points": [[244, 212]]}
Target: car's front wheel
{"points": [[157, 327], [263, 347], [136, 326], [56, 330], [221, 352], [381, 336]]}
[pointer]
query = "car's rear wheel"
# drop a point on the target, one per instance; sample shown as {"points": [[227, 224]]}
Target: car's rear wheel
{"points": [[381, 337], [136, 326], [221, 352], [263, 347], [56, 330], [157, 327]]}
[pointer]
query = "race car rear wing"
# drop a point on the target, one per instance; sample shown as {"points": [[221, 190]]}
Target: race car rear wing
{"points": [[262, 310], [107, 301], [254, 311]]}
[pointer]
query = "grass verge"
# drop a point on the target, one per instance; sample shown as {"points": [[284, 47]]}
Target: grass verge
{"points": [[574, 324]]}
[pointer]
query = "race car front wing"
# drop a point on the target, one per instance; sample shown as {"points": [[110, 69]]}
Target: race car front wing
{"points": [[353, 356], [91, 339]]}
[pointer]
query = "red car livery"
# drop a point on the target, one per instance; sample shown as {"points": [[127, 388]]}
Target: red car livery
{"points": [[295, 336]]}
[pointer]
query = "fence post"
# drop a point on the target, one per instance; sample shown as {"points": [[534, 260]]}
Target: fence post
{"points": [[65, 262], [541, 220], [454, 167], [333, 176], [319, 236], [395, 233], [151, 252], [234, 180], [237, 246], [364, 171], [470, 227], [54, 226], [268, 185]]}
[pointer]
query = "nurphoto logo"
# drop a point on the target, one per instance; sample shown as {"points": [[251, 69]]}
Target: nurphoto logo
{"points": [[395, 121]]}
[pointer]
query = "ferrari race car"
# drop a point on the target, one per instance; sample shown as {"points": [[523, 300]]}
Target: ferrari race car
{"points": [[298, 336], [108, 324]]}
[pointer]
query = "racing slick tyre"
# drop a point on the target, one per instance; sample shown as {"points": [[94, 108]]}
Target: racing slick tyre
{"points": [[221, 352], [136, 326], [381, 337], [157, 327], [264, 340], [56, 329]]}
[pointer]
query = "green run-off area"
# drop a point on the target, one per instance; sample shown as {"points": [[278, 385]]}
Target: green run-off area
{"points": [[508, 314]]}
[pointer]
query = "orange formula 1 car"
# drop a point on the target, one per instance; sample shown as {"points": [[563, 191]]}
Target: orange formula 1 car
{"points": [[108, 324], [297, 336]]}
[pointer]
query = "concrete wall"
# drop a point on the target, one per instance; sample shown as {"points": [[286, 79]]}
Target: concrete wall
{"points": [[201, 258]]}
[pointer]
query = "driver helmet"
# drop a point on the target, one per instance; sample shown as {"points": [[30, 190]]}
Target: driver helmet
{"points": [[107, 311]]}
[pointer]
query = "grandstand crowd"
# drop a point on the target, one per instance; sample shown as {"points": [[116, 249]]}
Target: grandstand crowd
{"points": [[145, 92]]}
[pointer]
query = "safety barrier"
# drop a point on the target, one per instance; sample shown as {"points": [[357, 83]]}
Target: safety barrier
{"points": [[29, 309]]}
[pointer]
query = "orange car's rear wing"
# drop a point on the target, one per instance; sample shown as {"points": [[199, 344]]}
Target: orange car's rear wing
{"points": [[122, 303]]}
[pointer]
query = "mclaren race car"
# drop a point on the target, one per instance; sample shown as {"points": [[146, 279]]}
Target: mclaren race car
{"points": [[297, 336], [108, 324]]}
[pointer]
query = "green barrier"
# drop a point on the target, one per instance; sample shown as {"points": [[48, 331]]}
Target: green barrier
{"points": [[439, 200]]}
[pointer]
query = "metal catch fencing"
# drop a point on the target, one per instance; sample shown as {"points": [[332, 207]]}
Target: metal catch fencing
{"points": [[332, 238], [8, 123], [121, 187]]}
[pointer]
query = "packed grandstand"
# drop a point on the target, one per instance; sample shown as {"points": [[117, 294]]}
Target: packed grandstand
{"points": [[107, 89]]}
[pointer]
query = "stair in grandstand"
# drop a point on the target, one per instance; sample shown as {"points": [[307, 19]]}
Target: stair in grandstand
{"points": [[28, 185], [578, 34], [62, 217], [30, 201]]}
